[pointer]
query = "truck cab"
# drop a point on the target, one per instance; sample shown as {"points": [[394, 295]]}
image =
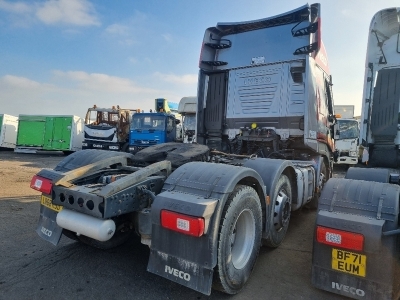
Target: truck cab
{"points": [[107, 128], [346, 141], [187, 108], [148, 129]]}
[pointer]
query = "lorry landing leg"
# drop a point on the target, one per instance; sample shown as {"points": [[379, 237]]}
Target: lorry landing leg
{"points": [[239, 240]]}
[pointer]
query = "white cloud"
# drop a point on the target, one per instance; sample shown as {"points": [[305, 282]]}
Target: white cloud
{"points": [[15, 7], [22, 83], [73, 92], [101, 82], [118, 29], [75, 12], [184, 79]]}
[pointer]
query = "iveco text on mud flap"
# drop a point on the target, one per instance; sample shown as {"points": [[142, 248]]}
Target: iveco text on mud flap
{"points": [[47, 227]]}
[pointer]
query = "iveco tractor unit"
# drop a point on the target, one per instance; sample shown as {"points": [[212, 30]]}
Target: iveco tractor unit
{"points": [[264, 149], [356, 249]]}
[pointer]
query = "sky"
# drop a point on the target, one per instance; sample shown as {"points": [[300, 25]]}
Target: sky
{"points": [[60, 57]]}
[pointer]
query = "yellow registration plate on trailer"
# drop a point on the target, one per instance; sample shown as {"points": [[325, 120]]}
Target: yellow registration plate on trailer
{"points": [[46, 201], [349, 262]]}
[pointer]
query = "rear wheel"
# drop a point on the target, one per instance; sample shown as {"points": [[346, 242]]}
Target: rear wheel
{"points": [[324, 176], [239, 240], [281, 200]]}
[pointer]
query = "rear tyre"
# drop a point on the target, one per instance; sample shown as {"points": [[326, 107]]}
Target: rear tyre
{"points": [[239, 240], [280, 216], [324, 176]]}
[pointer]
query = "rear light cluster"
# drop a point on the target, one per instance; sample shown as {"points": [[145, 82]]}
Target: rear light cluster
{"points": [[339, 238], [41, 184], [185, 224]]}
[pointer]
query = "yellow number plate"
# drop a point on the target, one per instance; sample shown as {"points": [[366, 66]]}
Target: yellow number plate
{"points": [[349, 262], [46, 201]]}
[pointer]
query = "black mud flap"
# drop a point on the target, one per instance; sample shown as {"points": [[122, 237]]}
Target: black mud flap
{"points": [[47, 227], [369, 210], [184, 272]]}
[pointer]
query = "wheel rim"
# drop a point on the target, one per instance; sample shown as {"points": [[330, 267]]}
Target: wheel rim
{"points": [[242, 239], [281, 210]]}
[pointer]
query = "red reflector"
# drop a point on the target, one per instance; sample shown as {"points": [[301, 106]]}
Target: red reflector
{"points": [[193, 226], [41, 184], [339, 238]]}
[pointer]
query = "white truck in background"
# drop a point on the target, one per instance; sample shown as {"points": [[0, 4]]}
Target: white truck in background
{"points": [[346, 135], [187, 108], [8, 131]]}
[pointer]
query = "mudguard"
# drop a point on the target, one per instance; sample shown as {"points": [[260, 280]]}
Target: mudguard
{"points": [[366, 208], [196, 189], [375, 174], [47, 227]]}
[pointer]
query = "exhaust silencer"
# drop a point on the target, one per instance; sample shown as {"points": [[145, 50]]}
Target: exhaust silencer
{"points": [[101, 230]]}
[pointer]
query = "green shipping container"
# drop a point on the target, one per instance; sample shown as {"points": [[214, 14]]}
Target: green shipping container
{"points": [[61, 133]]}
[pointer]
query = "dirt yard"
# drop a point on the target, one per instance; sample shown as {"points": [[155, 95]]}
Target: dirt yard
{"points": [[34, 269]]}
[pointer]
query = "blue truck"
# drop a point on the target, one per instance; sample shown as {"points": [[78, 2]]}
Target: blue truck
{"points": [[148, 129], [152, 128]]}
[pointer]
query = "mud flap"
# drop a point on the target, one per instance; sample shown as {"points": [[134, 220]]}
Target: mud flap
{"points": [[47, 227], [181, 271], [366, 209]]}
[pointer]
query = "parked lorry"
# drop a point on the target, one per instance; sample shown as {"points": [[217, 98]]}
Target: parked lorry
{"points": [[49, 133], [107, 128], [346, 135], [153, 128], [187, 108], [8, 131], [264, 132], [356, 245]]}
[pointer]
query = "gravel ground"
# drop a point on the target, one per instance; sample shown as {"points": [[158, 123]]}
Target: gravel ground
{"points": [[31, 268]]}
